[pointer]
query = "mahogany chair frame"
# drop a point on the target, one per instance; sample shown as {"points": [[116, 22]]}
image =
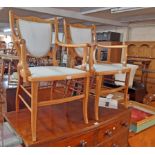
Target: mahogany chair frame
{"points": [[98, 75], [25, 75]]}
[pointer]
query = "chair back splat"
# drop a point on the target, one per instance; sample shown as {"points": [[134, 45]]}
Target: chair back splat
{"points": [[79, 34]]}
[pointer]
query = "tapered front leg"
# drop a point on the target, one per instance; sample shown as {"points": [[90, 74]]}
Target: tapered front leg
{"points": [[34, 100], [126, 88], [97, 95], [85, 100], [18, 92]]}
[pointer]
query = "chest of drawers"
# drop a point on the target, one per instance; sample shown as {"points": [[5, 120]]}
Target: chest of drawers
{"points": [[63, 125]]}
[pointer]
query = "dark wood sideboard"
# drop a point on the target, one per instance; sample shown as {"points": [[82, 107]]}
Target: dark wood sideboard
{"points": [[63, 125]]}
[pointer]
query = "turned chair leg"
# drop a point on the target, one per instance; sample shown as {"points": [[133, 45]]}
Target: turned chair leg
{"points": [[53, 86], [85, 100], [18, 92], [2, 69], [97, 95], [34, 100], [9, 72], [126, 88]]}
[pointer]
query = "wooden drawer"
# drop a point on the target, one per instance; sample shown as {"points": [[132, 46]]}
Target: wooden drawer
{"points": [[84, 140], [118, 140], [112, 128]]}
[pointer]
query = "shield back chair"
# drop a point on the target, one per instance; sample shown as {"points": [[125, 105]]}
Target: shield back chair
{"points": [[77, 33], [33, 36]]}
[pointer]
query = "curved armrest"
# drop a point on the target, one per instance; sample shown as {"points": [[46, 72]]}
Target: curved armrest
{"points": [[72, 45], [112, 46]]}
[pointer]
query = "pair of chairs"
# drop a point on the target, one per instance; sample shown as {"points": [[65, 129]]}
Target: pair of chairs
{"points": [[33, 36]]}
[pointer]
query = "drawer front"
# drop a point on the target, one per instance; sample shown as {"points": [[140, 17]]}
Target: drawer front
{"points": [[84, 140], [112, 128], [118, 140]]}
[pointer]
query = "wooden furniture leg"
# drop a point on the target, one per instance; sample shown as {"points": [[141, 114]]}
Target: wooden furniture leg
{"points": [[9, 71], [85, 100], [97, 95], [126, 88], [18, 92], [53, 86], [2, 69], [34, 100]]}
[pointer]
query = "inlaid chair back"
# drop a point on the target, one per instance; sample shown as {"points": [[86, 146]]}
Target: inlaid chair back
{"points": [[37, 35], [79, 34], [32, 36]]}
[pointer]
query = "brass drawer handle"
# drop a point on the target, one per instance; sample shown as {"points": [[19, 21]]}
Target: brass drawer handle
{"points": [[125, 124], [83, 143], [108, 133]]}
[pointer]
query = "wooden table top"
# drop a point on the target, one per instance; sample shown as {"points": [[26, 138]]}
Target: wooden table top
{"points": [[59, 121]]}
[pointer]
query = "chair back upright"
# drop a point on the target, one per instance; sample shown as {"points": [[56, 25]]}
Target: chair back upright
{"points": [[32, 36], [79, 34]]}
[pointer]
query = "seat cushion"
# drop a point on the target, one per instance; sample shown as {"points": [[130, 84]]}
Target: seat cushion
{"points": [[116, 67], [52, 71], [104, 67]]}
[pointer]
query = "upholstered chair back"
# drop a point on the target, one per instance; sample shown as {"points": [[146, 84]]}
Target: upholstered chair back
{"points": [[80, 36], [37, 35]]}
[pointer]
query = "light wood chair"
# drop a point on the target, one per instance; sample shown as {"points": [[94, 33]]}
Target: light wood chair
{"points": [[33, 36], [76, 34]]}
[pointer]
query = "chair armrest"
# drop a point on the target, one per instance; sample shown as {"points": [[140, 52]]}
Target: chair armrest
{"points": [[123, 47], [72, 45], [112, 46]]}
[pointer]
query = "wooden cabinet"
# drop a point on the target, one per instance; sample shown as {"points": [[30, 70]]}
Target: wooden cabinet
{"points": [[114, 54], [144, 50], [62, 125]]}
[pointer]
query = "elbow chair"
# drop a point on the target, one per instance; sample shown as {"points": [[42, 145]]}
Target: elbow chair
{"points": [[33, 36], [81, 34]]}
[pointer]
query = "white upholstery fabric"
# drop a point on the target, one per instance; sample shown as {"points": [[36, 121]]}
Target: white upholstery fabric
{"points": [[115, 67], [121, 77], [79, 36], [47, 71], [38, 37], [104, 67], [60, 37]]}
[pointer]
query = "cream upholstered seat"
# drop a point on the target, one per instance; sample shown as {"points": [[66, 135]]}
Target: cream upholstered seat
{"points": [[104, 67], [53, 71], [32, 36], [115, 67], [82, 34]]}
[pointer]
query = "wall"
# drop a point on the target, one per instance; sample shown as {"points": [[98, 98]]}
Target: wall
{"points": [[135, 32], [143, 33]]}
